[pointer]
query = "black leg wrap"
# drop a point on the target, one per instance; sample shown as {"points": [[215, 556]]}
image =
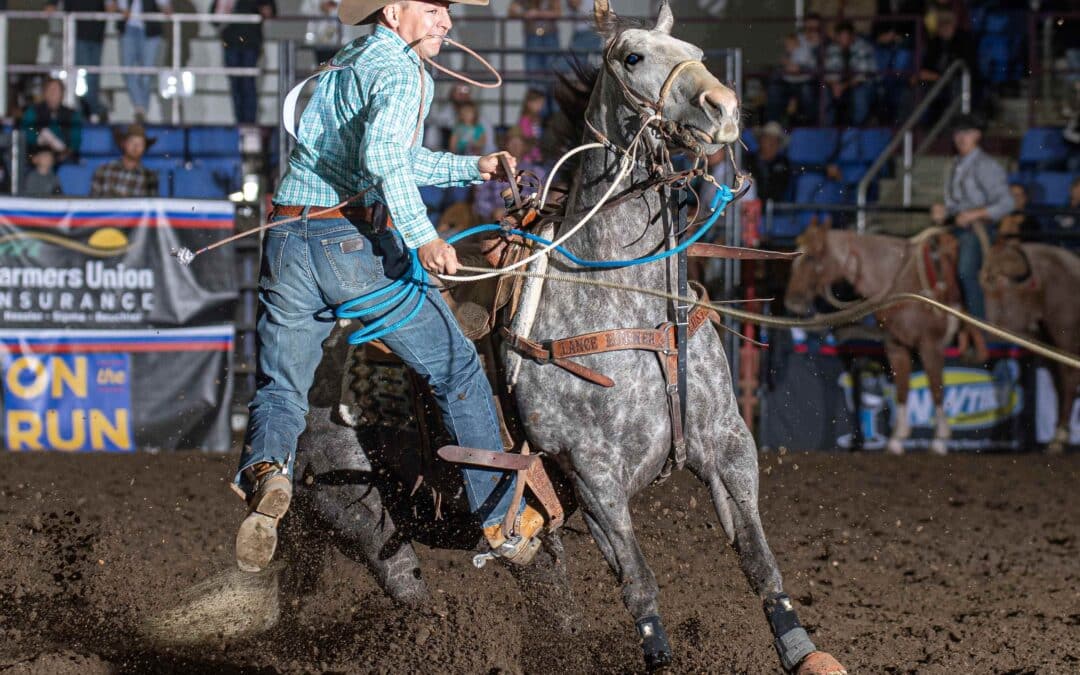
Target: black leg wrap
{"points": [[791, 641], [654, 642]]}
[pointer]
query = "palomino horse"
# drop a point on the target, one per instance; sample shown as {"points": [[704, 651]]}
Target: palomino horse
{"points": [[875, 264], [1030, 290]]}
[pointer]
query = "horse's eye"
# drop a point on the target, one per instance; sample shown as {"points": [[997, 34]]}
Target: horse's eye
{"points": [[633, 59]]}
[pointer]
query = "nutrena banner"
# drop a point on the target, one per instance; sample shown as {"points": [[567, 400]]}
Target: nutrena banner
{"points": [[106, 343]]}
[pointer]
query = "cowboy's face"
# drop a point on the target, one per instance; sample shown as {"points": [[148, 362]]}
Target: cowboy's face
{"points": [[415, 20], [134, 147], [966, 140]]}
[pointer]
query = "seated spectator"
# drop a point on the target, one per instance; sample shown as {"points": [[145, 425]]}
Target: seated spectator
{"points": [[585, 43], [52, 123], [770, 167], [531, 123], [945, 47], [1018, 224], [487, 199], [468, 136], [1069, 221], [127, 177], [541, 33], [850, 70], [322, 34], [791, 92], [896, 31], [42, 180], [441, 122], [1071, 133]]}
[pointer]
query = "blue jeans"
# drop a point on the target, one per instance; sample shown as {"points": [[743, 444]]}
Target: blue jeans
{"points": [[853, 105], [245, 98], [968, 263], [88, 53], [540, 64], [136, 49], [305, 272]]}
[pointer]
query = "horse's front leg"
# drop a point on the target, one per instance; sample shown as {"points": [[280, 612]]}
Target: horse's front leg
{"points": [[607, 512], [900, 363], [932, 354], [1068, 380]]}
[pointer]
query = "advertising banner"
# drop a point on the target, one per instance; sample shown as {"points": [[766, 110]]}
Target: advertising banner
{"points": [[106, 343]]}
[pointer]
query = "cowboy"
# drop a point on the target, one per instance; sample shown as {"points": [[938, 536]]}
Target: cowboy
{"points": [[127, 177], [360, 131]]}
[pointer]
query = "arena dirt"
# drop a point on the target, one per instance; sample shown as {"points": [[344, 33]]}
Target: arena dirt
{"points": [[968, 564]]}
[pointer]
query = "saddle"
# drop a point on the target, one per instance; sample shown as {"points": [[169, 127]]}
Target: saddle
{"points": [[936, 265]]}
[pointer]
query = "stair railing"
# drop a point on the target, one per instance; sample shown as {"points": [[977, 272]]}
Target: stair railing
{"points": [[904, 136]]}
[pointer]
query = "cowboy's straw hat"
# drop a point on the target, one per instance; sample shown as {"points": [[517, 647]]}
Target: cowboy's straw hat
{"points": [[121, 135], [354, 12]]}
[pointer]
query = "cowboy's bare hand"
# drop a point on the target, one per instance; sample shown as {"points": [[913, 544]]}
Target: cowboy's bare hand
{"points": [[938, 213], [439, 257], [490, 167], [966, 218]]}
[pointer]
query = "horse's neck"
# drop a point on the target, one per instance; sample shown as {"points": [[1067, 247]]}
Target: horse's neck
{"points": [[871, 263]]}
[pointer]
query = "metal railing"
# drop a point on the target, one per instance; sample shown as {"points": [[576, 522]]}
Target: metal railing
{"points": [[904, 136]]}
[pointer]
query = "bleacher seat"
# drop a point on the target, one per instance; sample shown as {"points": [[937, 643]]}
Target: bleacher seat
{"points": [[168, 142], [1050, 188], [853, 172], [813, 146], [213, 142], [1042, 148], [225, 170], [1001, 54], [95, 162], [807, 185], [784, 226], [97, 141], [75, 179], [197, 182], [872, 142], [750, 141], [162, 164]]}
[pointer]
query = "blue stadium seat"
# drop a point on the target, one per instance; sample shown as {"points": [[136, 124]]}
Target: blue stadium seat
{"points": [[853, 172], [97, 141], [812, 145], [785, 226], [162, 164], [850, 144], [750, 141], [226, 171], [1001, 57], [197, 182], [164, 184], [872, 142], [75, 179], [807, 185], [95, 162], [213, 142], [168, 142], [1050, 188], [1042, 148]]}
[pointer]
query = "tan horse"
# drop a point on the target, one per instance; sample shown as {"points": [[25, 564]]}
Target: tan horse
{"points": [[1031, 289], [875, 264]]}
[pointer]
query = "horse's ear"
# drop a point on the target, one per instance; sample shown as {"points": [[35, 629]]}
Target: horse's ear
{"points": [[665, 20], [605, 17]]}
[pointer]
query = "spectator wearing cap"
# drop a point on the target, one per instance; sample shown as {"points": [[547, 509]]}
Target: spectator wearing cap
{"points": [[89, 42], [243, 44], [850, 71], [976, 195], [127, 177], [50, 122], [770, 166], [41, 181], [140, 44]]}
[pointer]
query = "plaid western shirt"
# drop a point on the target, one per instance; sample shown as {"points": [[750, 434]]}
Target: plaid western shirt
{"points": [[113, 180], [355, 133]]}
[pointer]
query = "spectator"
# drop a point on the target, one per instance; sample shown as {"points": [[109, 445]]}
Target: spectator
{"points": [[243, 45], [976, 194], [896, 31], [1018, 224], [585, 43], [947, 46], [850, 70], [50, 122], [467, 137], [1071, 134], [790, 96], [140, 43], [487, 200], [127, 177], [42, 180], [541, 32], [770, 167], [1068, 221], [531, 123], [322, 34], [89, 41]]}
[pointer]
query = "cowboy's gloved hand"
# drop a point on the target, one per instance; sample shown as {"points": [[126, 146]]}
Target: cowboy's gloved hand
{"points": [[490, 167], [439, 257]]}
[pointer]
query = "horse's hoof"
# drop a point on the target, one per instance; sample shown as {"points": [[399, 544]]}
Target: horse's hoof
{"points": [[895, 446], [1055, 447], [820, 663], [654, 643], [939, 446]]}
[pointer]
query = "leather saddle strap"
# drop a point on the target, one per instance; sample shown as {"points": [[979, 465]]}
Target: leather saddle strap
{"points": [[669, 364], [541, 354], [738, 253]]}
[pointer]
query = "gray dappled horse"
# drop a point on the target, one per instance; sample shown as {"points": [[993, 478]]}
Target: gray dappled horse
{"points": [[611, 442]]}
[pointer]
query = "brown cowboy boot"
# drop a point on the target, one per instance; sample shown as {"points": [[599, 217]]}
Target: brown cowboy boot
{"points": [[519, 549], [256, 540]]}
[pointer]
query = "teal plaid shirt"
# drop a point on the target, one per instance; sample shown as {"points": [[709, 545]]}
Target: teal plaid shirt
{"points": [[355, 133]]}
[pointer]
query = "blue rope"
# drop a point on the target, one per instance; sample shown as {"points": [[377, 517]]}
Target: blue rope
{"points": [[412, 286]]}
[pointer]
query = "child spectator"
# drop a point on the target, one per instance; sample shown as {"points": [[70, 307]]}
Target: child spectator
{"points": [[850, 70], [790, 95], [1018, 224], [531, 123], [42, 181], [468, 136]]}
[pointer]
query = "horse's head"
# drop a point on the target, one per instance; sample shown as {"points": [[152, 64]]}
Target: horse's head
{"points": [[1014, 298], [814, 272], [656, 72]]}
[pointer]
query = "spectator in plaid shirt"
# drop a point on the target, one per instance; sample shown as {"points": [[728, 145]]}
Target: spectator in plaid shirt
{"points": [[850, 70], [127, 177], [360, 132]]}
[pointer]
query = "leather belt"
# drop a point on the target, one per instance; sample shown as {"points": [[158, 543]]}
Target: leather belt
{"points": [[351, 213]]}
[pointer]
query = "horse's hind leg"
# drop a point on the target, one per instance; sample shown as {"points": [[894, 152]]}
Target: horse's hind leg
{"points": [[607, 513], [900, 363], [731, 473], [932, 353]]}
